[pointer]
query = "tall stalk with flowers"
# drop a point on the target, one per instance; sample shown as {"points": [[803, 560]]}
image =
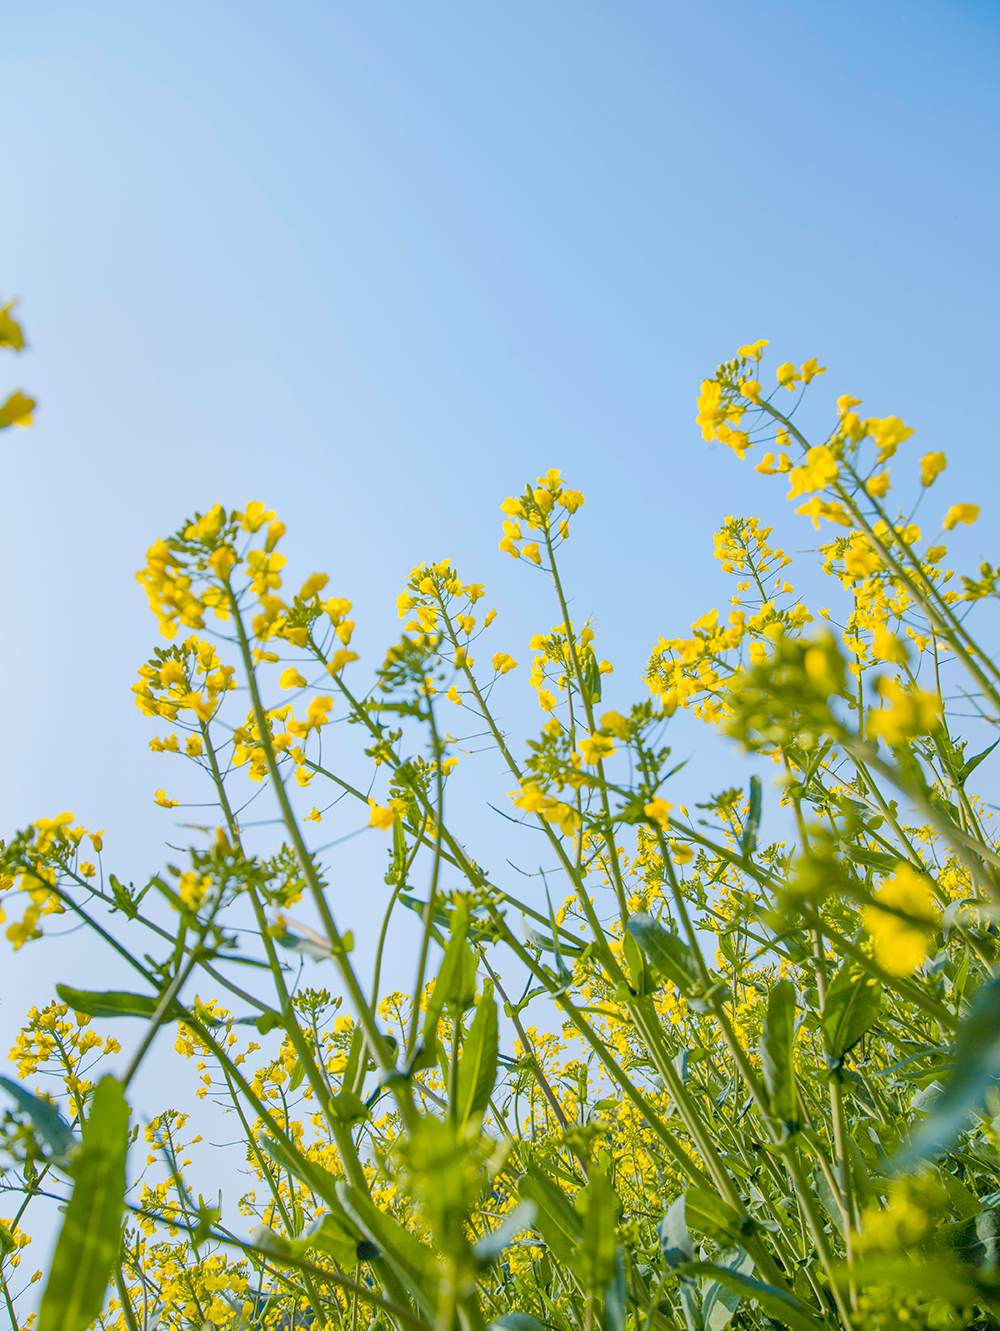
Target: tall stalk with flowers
{"points": [[683, 1076]]}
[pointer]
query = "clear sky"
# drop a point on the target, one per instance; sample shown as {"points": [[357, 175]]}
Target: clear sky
{"points": [[379, 263]]}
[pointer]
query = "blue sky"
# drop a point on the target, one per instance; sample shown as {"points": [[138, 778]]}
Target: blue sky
{"points": [[378, 264]]}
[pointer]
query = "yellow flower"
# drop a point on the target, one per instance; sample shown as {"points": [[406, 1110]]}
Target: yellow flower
{"points": [[546, 700], [816, 509], [878, 486], [531, 552], [931, 466], [737, 440], [616, 723], [810, 370], [380, 817], [291, 679], [452, 695], [787, 375], [887, 647], [595, 748], [889, 434], [194, 746], [339, 659], [900, 944], [658, 810], [682, 852], [913, 712], [859, 558], [314, 817], [160, 798], [960, 513], [255, 517], [502, 663], [753, 351], [751, 388], [337, 606], [816, 473]]}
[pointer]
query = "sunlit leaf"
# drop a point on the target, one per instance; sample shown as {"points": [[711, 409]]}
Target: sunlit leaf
{"points": [[91, 1230]]}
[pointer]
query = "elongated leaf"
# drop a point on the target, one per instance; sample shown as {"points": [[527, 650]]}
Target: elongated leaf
{"points": [[599, 1206], [45, 1116], [332, 1234], [707, 1213], [975, 1241], [976, 1067], [491, 1245], [119, 1003], [752, 825], [314, 1176], [91, 1231], [973, 763], [665, 950], [718, 1302], [557, 1222], [517, 1322], [777, 1047], [113, 1003], [477, 1070], [782, 1307], [676, 1244], [544, 941], [412, 1261], [852, 1006], [615, 1298], [453, 981]]}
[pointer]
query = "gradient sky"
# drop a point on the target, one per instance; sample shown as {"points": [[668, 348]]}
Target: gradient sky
{"points": [[378, 264]]}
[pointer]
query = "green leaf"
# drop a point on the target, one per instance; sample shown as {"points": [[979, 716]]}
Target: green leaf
{"points": [[852, 1006], [782, 1307], [969, 767], [718, 1302], [517, 1322], [777, 1048], [477, 1070], [45, 1116], [976, 1241], [492, 1244], [752, 825], [615, 1298], [332, 1235], [545, 944], [672, 958], [454, 984], [267, 1021], [676, 1245], [600, 1208], [91, 1231], [314, 1176], [412, 1260], [114, 1003], [706, 1213], [975, 1069], [557, 1222]]}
